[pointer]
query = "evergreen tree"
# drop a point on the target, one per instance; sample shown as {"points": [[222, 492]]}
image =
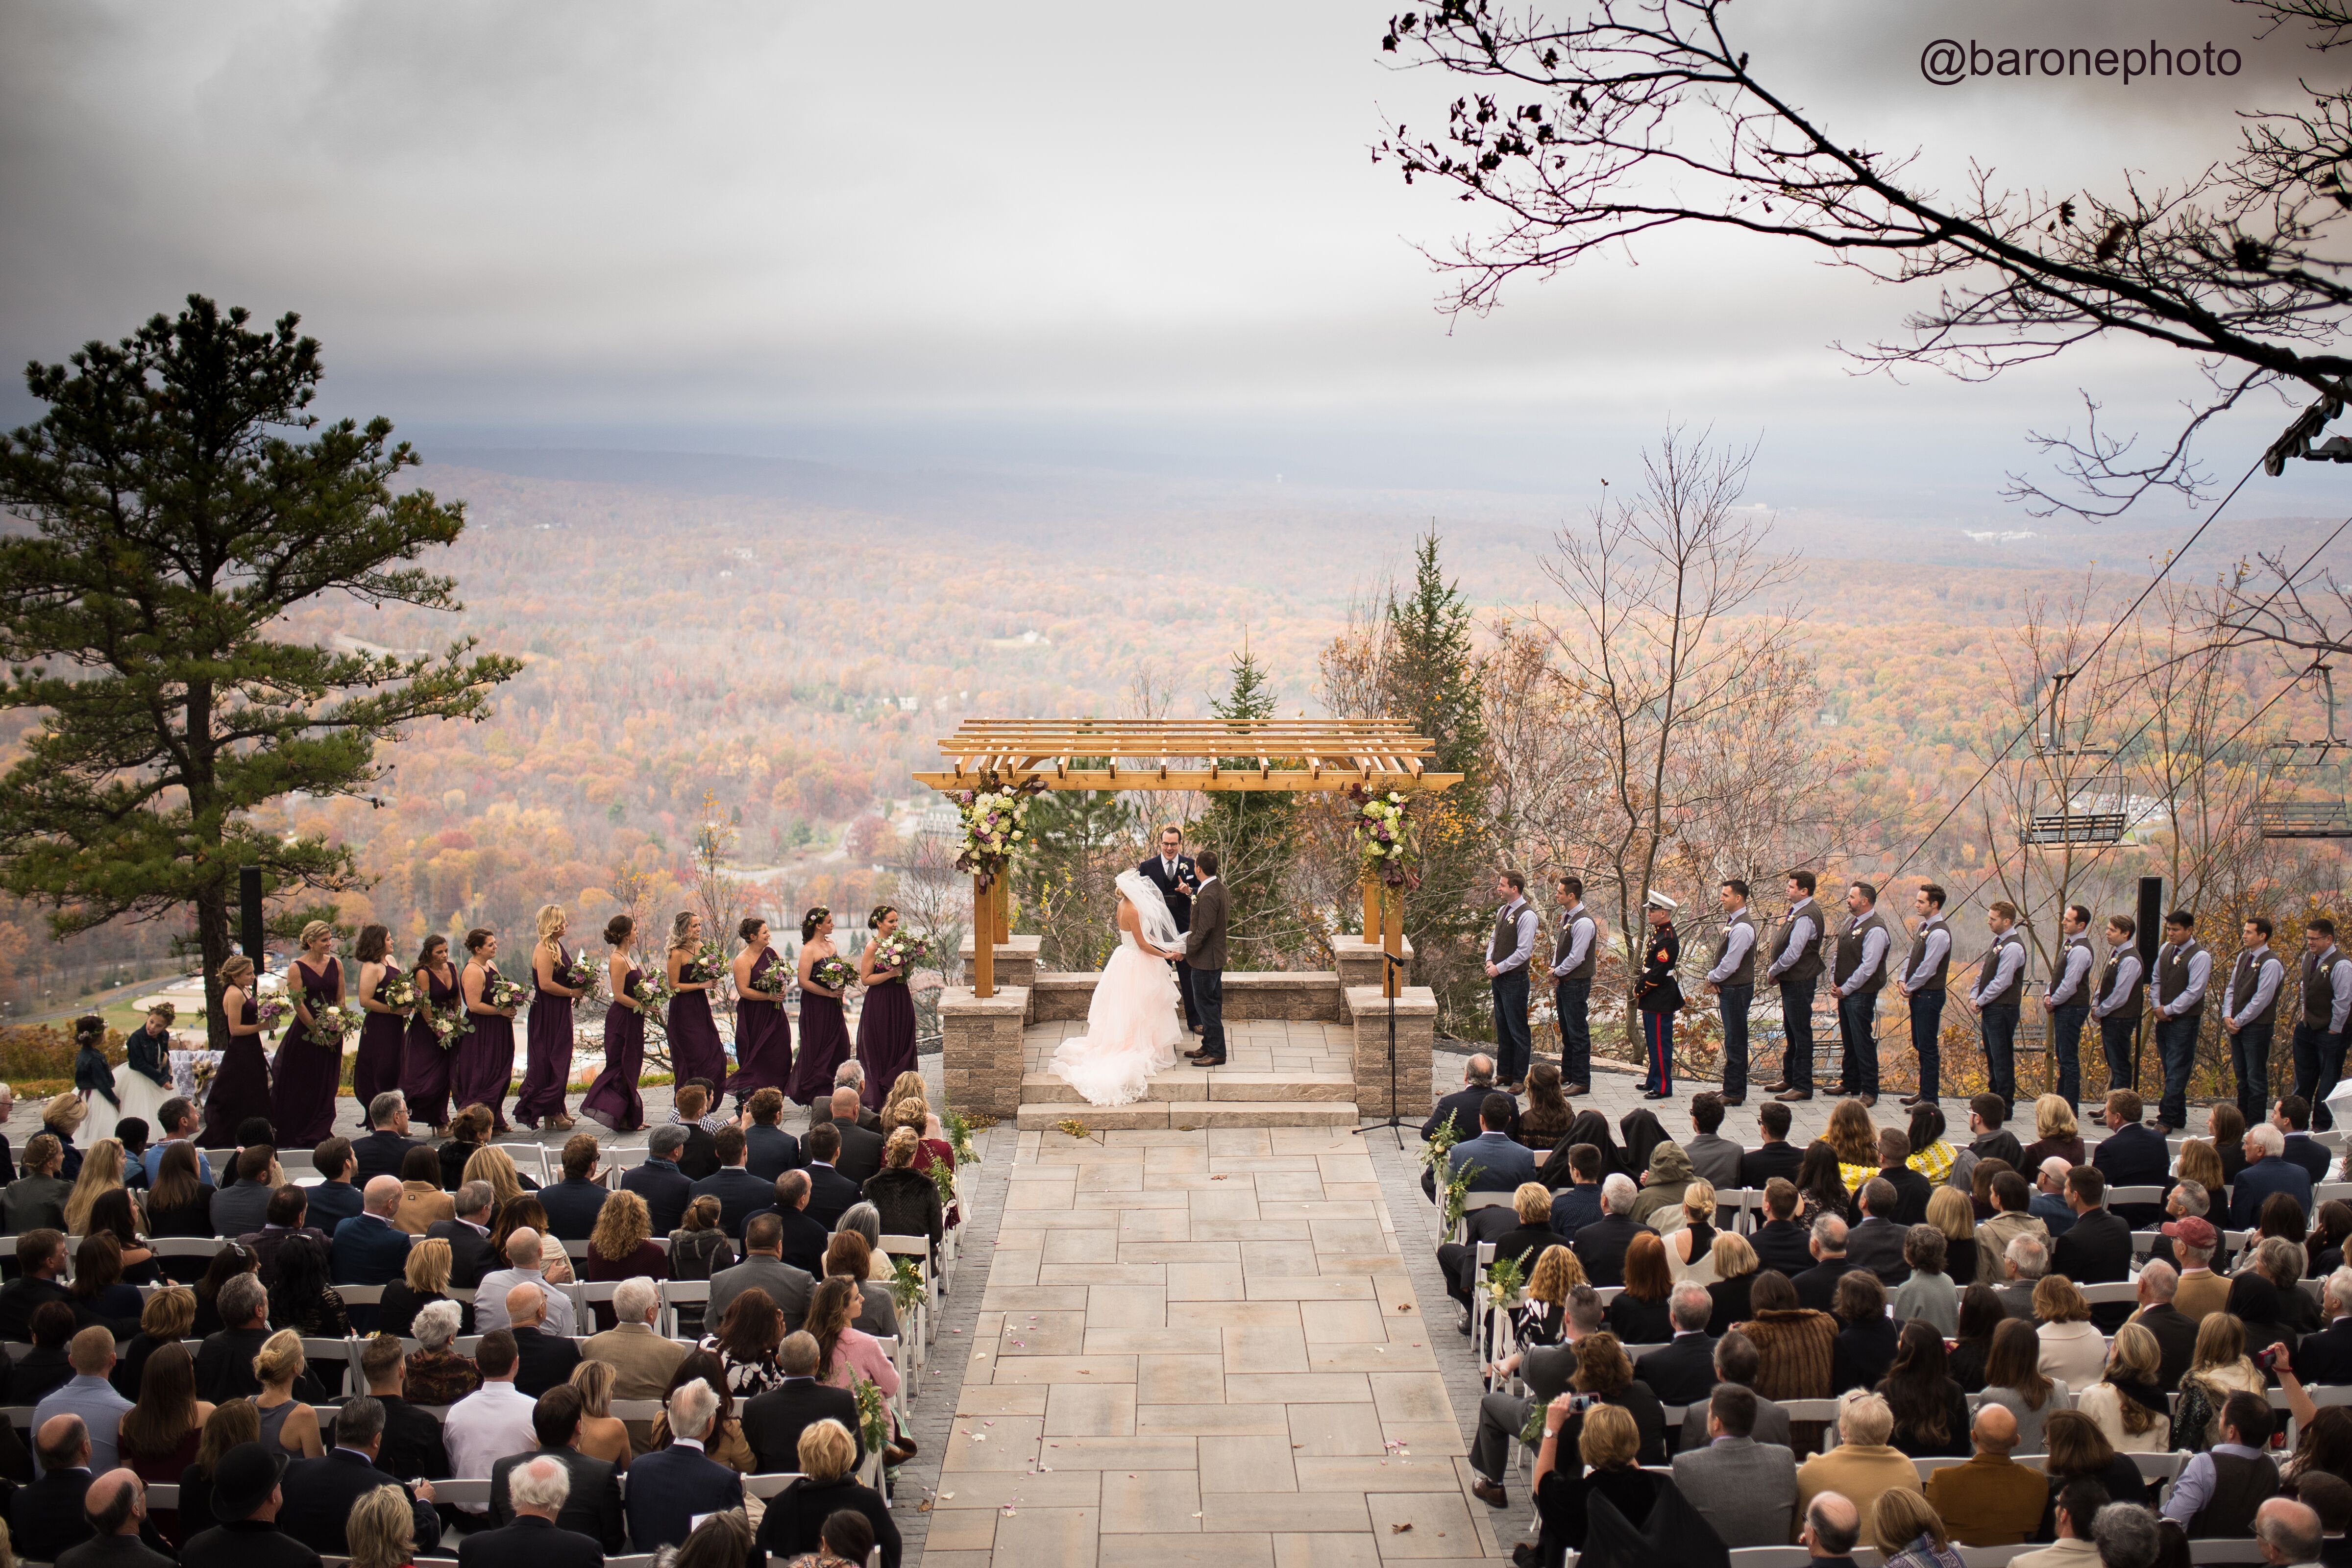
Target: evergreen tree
{"points": [[1079, 841], [1254, 834], [177, 518]]}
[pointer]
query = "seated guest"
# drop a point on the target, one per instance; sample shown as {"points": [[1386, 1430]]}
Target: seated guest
{"points": [[2073, 1511], [830, 1192], [1774, 1158], [769, 1150], [1817, 1287], [435, 1372], [290, 1208], [36, 1200], [1546, 1119], [493, 1421], [602, 1436], [1607, 1443], [764, 1267], [471, 1256], [47, 1365], [334, 1200], [643, 1362], [1604, 1370], [46, 1518], [244, 1204], [573, 1203], [1578, 1204], [40, 1268], [795, 1518], [592, 1505], [1496, 1162], [659, 1181], [847, 1257], [2077, 1451], [286, 1422], [178, 1204], [1877, 1243], [2327, 1356], [2011, 1200], [670, 1486], [247, 1498], [1461, 1108], [696, 1158], [772, 1421], [1948, 1211], [1782, 1242], [740, 1192], [1746, 1490], [1928, 1294], [525, 1249], [385, 1148], [1639, 1316], [1503, 1415], [2049, 1202], [2072, 1349], [413, 1444], [165, 1319], [424, 1202], [2219, 1489], [909, 1202], [1601, 1246], [301, 1299], [1991, 1501], [803, 1239], [2268, 1172], [1863, 1465], [1796, 1348], [539, 1488], [1980, 1314], [1736, 1269], [1911, 1189], [88, 1393], [1524, 1241], [381, 1531], [1681, 1372], [116, 1504], [543, 1360], [1832, 1526], [2127, 1402], [324, 1494], [470, 1131], [2014, 1379], [1866, 1337], [622, 1247], [2289, 1532], [1906, 1518], [2096, 1249], [369, 1248], [424, 1279], [2025, 1264], [1931, 1413], [225, 1361], [1737, 1364], [2175, 1330]]}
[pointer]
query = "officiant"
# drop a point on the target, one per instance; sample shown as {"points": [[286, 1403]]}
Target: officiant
{"points": [[1172, 872]]}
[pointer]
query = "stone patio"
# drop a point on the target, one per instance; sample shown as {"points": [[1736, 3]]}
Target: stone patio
{"points": [[1277, 1072]]}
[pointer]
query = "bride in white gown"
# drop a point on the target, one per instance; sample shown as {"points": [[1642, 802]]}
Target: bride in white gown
{"points": [[1134, 1024]]}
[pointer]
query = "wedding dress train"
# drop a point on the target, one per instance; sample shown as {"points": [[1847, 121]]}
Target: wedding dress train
{"points": [[1133, 1027]]}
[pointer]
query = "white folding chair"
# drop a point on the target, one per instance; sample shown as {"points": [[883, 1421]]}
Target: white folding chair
{"points": [[895, 1347], [673, 1293], [763, 1485]]}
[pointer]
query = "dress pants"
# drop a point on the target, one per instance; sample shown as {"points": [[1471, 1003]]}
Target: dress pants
{"points": [[1658, 1052], [1460, 1263], [1184, 990], [1208, 1001], [1735, 1001], [1501, 1418], [1859, 1073], [1572, 1000], [2066, 1047], [2116, 1044], [1927, 1039], [2175, 1046], [1797, 1032], [2249, 1059], [2318, 1063], [1999, 1022], [1512, 1044]]}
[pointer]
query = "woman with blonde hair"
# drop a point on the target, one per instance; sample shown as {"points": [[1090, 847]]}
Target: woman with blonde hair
{"points": [[603, 1435], [1949, 1211], [1608, 1441], [547, 1066], [286, 1421], [1690, 1250], [380, 1530], [240, 1088], [2217, 1368], [905, 1202], [2055, 1133], [164, 1319], [424, 1279], [61, 1117], [1543, 1316], [695, 1048], [2201, 1164], [102, 1171], [622, 1247], [796, 1516], [1901, 1515], [1736, 1264], [307, 1070], [2128, 1403], [1855, 1137], [2073, 1350]]}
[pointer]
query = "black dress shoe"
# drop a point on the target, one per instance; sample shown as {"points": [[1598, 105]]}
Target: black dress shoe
{"points": [[1657, 1094]]}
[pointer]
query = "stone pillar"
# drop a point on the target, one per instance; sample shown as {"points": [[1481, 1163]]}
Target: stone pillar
{"points": [[1358, 960], [1016, 961], [980, 1047], [1417, 1029]]}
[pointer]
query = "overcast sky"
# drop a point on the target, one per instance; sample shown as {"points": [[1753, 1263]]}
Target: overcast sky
{"points": [[1050, 230]]}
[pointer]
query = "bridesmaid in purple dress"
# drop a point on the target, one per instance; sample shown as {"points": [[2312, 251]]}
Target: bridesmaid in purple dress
{"points": [[763, 1035], [825, 1033], [302, 1088], [423, 1064], [376, 1070], [695, 1047], [613, 1100], [548, 1072], [240, 1086], [886, 1028], [485, 1058]]}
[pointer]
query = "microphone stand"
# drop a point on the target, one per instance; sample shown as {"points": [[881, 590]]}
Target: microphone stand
{"points": [[1396, 983]]}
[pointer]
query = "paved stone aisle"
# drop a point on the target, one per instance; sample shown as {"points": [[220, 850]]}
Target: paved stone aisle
{"points": [[1202, 1348]]}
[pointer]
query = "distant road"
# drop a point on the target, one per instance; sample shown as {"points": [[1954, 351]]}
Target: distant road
{"points": [[97, 1001]]}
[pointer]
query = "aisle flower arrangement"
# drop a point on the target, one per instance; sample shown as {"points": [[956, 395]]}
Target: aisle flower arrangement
{"points": [[1387, 838]]}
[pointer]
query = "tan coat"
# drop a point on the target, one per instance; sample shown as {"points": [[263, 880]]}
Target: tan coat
{"points": [[1862, 1474], [2201, 1295], [421, 1204], [643, 1364], [1991, 1501], [1993, 1237]]}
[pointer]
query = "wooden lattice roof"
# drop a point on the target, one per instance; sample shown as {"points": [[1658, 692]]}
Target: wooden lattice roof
{"points": [[1189, 754]]}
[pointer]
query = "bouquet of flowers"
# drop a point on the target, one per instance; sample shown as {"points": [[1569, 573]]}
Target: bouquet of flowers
{"points": [[651, 994], [958, 1131], [900, 950], [833, 973], [329, 1026], [448, 1027], [498, 991], [1386, 839], [201, 1067], [943, 1178], [272, 1010], [708, 966], [580, 975], [399, 993], [772, 981], [994, 825]]}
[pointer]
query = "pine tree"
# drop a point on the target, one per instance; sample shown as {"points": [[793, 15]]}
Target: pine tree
{"points": [[176, 518]]}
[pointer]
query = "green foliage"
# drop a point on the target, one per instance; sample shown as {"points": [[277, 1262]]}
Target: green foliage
{"points": [[873, 1415], [1505, 1281], [177, 519], [959, 1130], [907, 1278], [1078, 841], [1254, 834]]}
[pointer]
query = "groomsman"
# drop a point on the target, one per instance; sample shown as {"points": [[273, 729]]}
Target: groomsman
{"points": [[1732, 978], [2183, 969], [2116, 1004], [1574, 957], [1796, 967], [1507, 970], [1860, 975], [1924, 974], [2324, 1002], [1659, 997], [1998, 996], [2066, 1001], [1172, 872], [2250, 1013]]}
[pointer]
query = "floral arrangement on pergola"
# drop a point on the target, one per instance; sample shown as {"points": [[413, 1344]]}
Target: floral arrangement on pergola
{"points": [[991, 767]]}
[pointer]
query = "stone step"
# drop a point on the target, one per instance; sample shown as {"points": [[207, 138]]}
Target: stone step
{"points": [[1191, 1083], [1161, 1114]]}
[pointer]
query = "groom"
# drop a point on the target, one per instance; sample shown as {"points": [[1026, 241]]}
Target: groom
{"points": [[1176, 874], [1204, 953]]}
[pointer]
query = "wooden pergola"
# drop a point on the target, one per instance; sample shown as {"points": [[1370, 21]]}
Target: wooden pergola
{"points": [[1169, 754]]}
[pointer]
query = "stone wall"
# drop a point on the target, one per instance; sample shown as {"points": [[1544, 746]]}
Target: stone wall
{"points": [[1359, 961], [1016, 960], [980, 1047], [1416, 1029]]}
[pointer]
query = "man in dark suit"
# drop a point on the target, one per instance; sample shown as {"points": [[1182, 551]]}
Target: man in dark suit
{"points": [[2291, 1116], [694, 1160], [380, 1153], [224, 1361], [1203, 964], [1684, 1368], [247, 1498], [543, 1360], [830, 1192], [40, 1264], [850, 1074], [764, 1268], [320, 1492], [537, 1488], [670, 1486], [773, 1421], [768, 1150], [1780, 1242], [116, 1505], [804, 1239], [665, 1189], [2268, 1170], [1775, 1156], [2098, 1248], [1174, 874], [334, 1200], [1524, 1241], [740, 1192], [592, 1506], [573, 1202], [1578, 1204], [2175, 1330], [412, 1445], [1912, 1190], [369, 1248], [1601, 1246], [46, 1517], [1876, 1244], [2133, 1154], [1461, 1107], [861, 1148], [2327, 1356], [468, 1236], [1817, 1286]]}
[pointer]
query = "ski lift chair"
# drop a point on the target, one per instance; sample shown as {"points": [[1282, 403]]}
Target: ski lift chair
{"points": [[2301, 790], [2083, 819]]}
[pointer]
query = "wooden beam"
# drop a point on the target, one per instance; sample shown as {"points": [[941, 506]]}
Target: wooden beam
{"points": [[984, 944]]}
